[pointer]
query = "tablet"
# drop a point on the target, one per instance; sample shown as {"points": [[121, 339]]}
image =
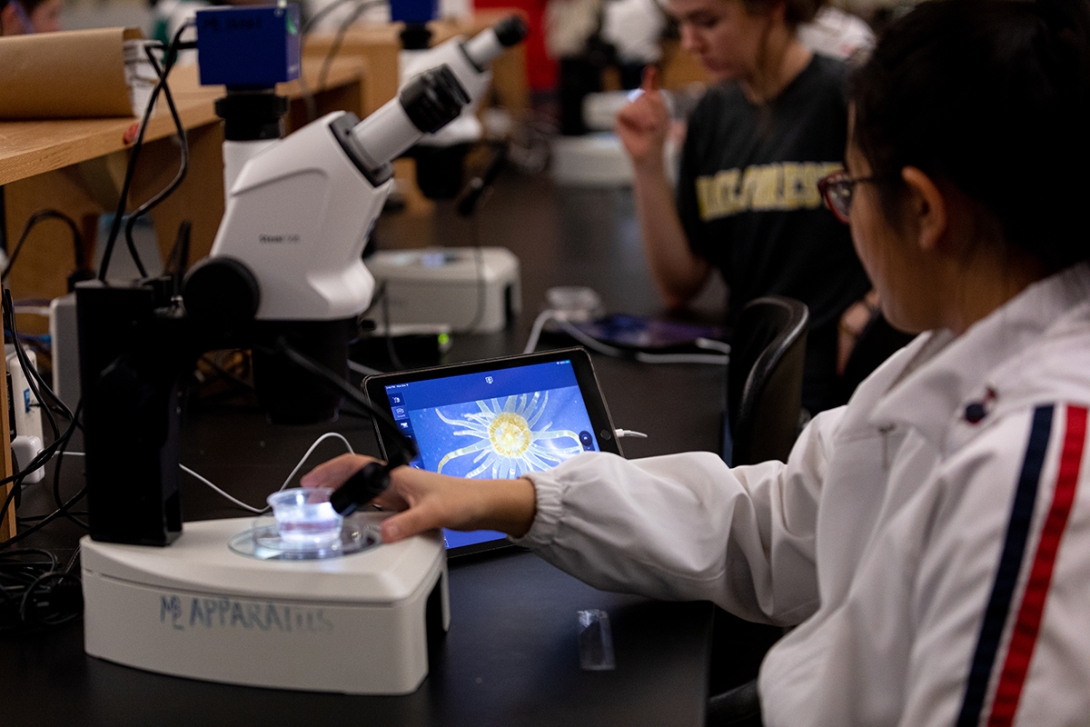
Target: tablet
{"points": [[499, 418], [646, 334]]}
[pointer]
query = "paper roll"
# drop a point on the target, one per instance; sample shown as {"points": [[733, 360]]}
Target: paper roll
{"points": [[71, 74]]}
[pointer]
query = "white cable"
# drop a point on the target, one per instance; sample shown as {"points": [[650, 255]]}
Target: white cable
{"points": [[629, 433], [683, 358], [713, 345], [240, 503], [535, 332], [361, 369], [648, 358], [319, 440]]}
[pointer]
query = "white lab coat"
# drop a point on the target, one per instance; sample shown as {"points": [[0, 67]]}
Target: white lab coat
{"points": [[882, 536]]}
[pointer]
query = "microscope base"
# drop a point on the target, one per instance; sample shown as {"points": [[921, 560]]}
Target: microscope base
{"points": [[358, 624]]}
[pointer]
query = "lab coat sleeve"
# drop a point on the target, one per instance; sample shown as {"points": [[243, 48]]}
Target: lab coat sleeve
{"points": [[687, 527]]}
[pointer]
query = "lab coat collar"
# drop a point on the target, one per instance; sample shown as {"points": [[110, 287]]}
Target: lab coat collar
{"points": [[947, 374]]}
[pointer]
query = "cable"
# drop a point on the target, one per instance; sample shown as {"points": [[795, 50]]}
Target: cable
{"points": [[37, 385], [115, 225], [535, 330], [183, 168], [406, 448], [24, 361], [40, 216], [466, 206], [260, 511], [713, 345], [320, 15], [338, 39], [365, 370], [48, 519], [308, 94], [39, 461], [57, 480], [37, 592], [603, 348], [384, 296], [481, 289]]}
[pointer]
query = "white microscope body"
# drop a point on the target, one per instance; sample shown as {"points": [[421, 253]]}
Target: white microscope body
{"points": [[207, 603], [300, 211]]}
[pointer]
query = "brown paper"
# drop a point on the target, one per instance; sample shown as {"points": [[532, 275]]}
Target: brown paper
{"points": [[72, 74]]}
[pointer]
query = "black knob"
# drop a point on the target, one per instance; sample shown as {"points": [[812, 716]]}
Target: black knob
{"points": [[433, 99], [510, 30], [222, 293]]}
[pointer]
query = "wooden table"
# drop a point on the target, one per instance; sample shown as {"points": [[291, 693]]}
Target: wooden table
{"points": [[77, 166]]}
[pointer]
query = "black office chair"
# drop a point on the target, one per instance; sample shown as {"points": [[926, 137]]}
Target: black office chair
{"points": [[764, 381], [760, 422]]}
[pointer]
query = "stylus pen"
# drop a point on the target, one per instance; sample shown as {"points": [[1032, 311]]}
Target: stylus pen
{"points": [[361, 488]]}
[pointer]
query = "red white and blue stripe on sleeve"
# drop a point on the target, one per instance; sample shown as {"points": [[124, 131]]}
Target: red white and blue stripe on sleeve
{"points": [[1012, 659]]}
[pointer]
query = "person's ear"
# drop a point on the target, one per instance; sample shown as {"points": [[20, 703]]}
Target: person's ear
{"points": [[927, 206]]}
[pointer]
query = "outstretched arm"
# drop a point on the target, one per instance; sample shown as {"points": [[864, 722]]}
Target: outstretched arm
{"points": [[428, 501]]}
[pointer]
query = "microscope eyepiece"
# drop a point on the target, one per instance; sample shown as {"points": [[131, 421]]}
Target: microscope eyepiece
{"points": [[433, 99], [510, 31]]}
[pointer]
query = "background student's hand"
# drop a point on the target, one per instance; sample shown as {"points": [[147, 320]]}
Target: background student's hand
{"points": [[427, 501], [642, 124]]}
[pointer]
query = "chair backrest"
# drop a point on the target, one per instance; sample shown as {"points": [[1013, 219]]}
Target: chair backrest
{"points": [[764, 380]]}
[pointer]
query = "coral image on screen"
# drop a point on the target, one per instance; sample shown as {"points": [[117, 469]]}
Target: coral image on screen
{"points": [[503, 437]]}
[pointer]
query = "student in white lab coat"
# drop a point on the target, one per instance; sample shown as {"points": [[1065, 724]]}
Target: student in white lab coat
{"points": [[931, 539]]}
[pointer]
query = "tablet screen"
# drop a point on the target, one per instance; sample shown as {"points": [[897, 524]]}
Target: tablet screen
{"points": [[496, 420]]}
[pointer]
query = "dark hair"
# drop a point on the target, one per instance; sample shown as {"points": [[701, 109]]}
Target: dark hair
{"points": [[992, 96], [796, 12]]}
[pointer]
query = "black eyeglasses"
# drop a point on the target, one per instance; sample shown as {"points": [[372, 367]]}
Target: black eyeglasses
{"points": [[837, 190]]}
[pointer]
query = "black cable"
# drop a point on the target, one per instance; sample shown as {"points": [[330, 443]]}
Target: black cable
{"points": [[31, 519], [481, 288], [39, 216], [39, 461], [115, 226], [308, 94], [313, 20], [178, 259], [36, 591], [59, 456], [24, 361], [48, 519], [338, 39], [405, 449], [384, 296], [183, 167], [467, 205]]}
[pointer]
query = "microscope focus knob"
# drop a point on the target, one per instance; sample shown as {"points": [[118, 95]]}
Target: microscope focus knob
{"points": [[510, 31], [222, 293], [433, 99]]}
